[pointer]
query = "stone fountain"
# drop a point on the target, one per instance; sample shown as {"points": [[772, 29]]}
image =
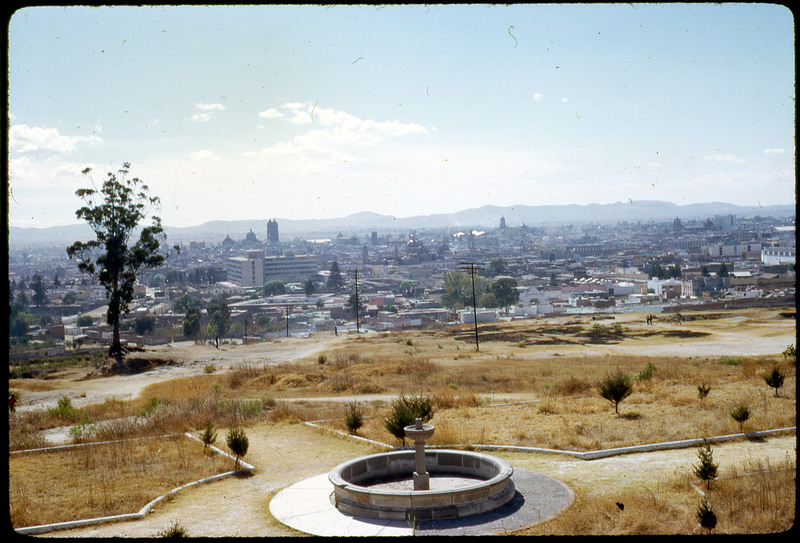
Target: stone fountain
{"points": [[446, 483]]}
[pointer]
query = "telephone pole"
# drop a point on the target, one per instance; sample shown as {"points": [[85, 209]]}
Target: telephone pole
{"points": [[355, 274], [471, 267]]}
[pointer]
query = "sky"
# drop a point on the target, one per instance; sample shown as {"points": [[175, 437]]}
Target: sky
{"points": [[300, 112]]}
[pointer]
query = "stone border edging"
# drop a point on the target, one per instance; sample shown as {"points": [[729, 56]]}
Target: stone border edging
{"points": [[588, 455], [44, 528]]}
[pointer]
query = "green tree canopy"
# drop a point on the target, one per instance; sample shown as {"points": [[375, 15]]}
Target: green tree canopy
{"points": [[114, 213], [498, 266], [220, 316], [335, 281], [274, 287], [505, 290], [191, 322], [39, 291]]}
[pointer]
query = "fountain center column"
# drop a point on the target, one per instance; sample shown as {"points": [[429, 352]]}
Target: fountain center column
{"points": [[419, 433]]}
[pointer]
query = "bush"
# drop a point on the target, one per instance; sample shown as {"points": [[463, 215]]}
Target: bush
{"points": [[774, 379], [615, 388], [405, 411], [209, 435], [741, 414], [702, 391], [63, 409], [237, 442], [353, 418], [648, 372], [706, 469], [175, 530]]}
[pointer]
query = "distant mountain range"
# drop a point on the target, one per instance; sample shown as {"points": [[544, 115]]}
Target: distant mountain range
{"points": [[486, 217]]}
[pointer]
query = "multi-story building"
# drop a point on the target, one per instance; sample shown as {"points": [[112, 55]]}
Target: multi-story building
{"points": [[290, 267], [247, 271]]}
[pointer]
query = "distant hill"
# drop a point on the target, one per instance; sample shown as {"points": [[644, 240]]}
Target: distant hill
{"points": [[486, 217]]}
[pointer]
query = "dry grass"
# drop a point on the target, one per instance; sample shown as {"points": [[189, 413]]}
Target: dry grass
{"points": [[752, 500], [102, 480]]}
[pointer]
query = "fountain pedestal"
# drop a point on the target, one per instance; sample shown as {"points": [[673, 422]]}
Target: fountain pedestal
{"points": [[419, 433]]}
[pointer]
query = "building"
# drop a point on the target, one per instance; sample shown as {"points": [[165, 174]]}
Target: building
{"points": [[290, 267], [247, 271], [778, 255], [272, 231]]}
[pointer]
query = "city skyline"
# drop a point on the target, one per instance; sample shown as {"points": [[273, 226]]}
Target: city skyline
{"points": [[242, 112]]}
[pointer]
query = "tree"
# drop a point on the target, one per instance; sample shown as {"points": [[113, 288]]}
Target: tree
{"points": [[208, 436], [741, 414], [184, 302], [498, 266], [706, 469], [722, 271], [114, 212], [505, 290], [309, 286], [488, 300], [237, 442], [335, 281], [354, 303], [706, 516], [406, 288], [69, 298], [84, 321], [220, 317], [615, 388], [191, 322], [704, 271], [274, 287], [774, 379], [39, 291], [405, 411], [144, 324]]}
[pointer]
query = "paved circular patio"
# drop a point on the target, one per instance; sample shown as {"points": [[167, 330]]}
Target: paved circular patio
{"points": [[306, 507]]}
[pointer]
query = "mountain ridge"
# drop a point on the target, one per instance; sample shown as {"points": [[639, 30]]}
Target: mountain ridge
{"points": [[484, 217]]}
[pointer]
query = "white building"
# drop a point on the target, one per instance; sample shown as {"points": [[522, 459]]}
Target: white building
{"points": [[778, 255], [247, 271]]}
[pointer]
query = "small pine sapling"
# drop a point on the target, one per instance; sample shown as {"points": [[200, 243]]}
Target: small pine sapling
{"points": [[706, 470], [740, 414], [774, 379]]}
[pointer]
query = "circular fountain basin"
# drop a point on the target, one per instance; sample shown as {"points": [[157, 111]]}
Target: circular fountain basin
{"points": [[484, 483], [419, 434]]}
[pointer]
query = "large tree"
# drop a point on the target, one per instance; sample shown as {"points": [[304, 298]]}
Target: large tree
{"points": [[115, 212], [505, 290], [335, 280]]}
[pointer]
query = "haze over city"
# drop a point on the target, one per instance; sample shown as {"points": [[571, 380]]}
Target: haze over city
{"points": [[250, 112]]}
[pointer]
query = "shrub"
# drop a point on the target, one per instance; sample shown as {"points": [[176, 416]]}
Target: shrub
{"points": [[730, 360], [322, 358], [705, 516], [702, 391], [648, 372], [63, 408], [740, 414], [774, 379], [237, 442], [174, 530], [706, 469], [209, 435], [405, 411], [615, 388], [790, 353], [209, 368], [353, 418]]}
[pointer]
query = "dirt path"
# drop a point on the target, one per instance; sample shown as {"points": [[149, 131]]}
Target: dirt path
{"points": [[239, 507]]}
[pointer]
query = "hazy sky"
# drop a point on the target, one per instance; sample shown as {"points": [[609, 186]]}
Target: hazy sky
{"points": [[254, 112]]}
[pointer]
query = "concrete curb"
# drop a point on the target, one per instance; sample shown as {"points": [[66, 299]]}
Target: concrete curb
{"points": [[588, 455], [44, 528]]}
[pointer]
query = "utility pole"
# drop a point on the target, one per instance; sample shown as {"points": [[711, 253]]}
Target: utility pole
{"points": [[355, 274], [471, 267], [286, 307]]}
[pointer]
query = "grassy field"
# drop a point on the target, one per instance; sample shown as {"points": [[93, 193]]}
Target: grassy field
{"points": [[532, 383]]}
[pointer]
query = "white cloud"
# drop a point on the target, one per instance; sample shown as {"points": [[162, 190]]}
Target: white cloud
{"points": [[34, 139], [537, 96], [270, 113], [725, 158], [203, 154], [773, 151], [206, 111]]}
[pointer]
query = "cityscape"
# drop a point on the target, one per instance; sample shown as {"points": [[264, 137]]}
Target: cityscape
{"points": [[277, 285]]}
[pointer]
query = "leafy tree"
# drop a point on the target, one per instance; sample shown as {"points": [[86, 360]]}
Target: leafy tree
{"points": [[69, 298], [505, 290], [184, 302], [488, 300], [498, 266], [355, 303], [774, 379], [309, 286], [722, 271], [457, 290], [84, 321], [406, 288], [114, 212], [615, 388], [706, 469], [191, 322], [39, 291], [144, 324], [335, 281], [220, 317], [274, 287]]}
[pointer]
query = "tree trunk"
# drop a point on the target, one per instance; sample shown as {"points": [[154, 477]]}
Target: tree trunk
{"points": [[115, 351]]}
